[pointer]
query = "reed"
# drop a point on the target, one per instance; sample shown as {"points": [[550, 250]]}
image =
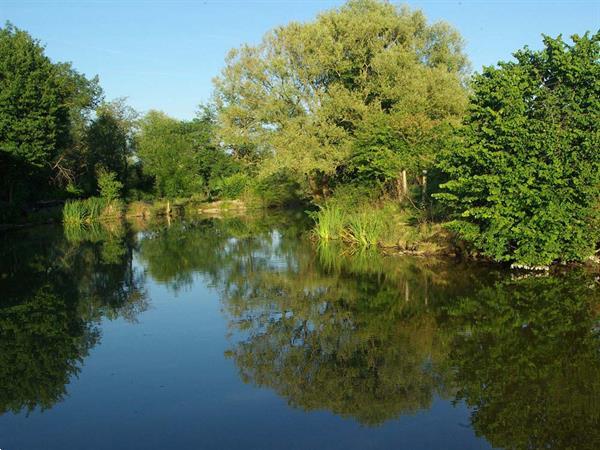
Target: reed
{"points": [[75, 213], [79, 212], [329, 223], [364, 229]]}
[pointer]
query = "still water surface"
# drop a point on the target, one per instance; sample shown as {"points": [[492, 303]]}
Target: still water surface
{"points": [[240, 333]]}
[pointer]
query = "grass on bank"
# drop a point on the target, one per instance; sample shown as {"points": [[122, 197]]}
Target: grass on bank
{"points": [[384, 223], [90, 210]]}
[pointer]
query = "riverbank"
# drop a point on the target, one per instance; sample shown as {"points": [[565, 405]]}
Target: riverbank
{"points": [[388, 227], [118, 210], [392, 227]]}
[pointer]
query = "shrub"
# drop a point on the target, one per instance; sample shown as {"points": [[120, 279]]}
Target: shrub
{"points": [[525, 176], [278, 189], [109, 186], [353, 197], [231, 187]]}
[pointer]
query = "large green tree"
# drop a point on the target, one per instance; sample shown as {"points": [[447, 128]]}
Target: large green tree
{"points": [[367, 77], [110, 141], [39, 102], [525, 176], [167, 153], [182, 156]]}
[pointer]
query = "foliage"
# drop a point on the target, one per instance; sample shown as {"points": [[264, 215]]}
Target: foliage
{"points": [[373, 165], [182, 156], [75, 212], [110, 188], [110, 142], [362, 228], [365, 229], [329, 222], [79, 212], [167, 154], [230, 187], [278, 190], [525, 175], [365, 89], [40, 102], [214, 163]]}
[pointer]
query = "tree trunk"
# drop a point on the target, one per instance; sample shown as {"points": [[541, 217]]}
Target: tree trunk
{"points": [[402, 185], [325, 186], [424, 188]]}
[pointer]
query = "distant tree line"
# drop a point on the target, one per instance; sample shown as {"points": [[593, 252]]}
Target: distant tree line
{"points": [[59, 137], [367, 97]]}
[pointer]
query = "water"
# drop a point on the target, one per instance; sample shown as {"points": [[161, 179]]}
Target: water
{"points": [[240, 333]]}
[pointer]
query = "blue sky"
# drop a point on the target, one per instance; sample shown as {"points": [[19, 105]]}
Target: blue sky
{"points": [[163, 54]]}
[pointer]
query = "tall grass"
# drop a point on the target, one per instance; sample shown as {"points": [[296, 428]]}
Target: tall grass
{"points": [[79, 212], [75, 213], [329, 222], [364, 229]]}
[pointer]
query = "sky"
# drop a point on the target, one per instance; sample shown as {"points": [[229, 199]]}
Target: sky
{"points": [[164, 54]]}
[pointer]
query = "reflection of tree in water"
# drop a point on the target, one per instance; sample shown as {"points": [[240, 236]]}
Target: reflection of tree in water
{"points": [[174, 254], [360, 335], [42, 342], [373, 338], [528, 362], [54, 292], [357, 336]]}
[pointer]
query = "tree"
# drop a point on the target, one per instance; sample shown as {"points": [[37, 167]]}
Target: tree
{"points": [[306, 97], [182, 156], [214, 163], [110, 141], [524, 179], [167, 153], [38, 103]]}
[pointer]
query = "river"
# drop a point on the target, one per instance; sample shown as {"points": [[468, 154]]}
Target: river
{"points": [[243, 333]]}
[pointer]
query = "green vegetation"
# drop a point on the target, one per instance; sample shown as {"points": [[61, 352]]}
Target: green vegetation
{"points": [[41, 104], [110, 188], [167, 154], [524, 175], [360, 93], [367, 115], [329, 223], [359, 219]]}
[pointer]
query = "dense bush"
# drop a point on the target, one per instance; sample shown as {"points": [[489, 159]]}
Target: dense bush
{"points": [[231, 187], [278, 189], [525, 176], [109, 186]]}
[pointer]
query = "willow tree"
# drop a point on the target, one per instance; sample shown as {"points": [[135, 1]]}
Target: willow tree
{"points": [[367, 77]]}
